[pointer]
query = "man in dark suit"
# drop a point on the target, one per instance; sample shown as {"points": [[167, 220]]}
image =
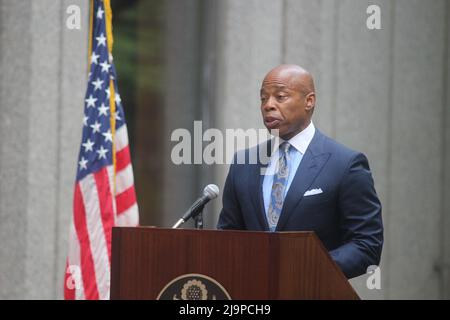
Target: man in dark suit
{"points": [[311, 182]]}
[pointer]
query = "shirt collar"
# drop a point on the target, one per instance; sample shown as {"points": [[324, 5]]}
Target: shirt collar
{"points": [[302, 139]]}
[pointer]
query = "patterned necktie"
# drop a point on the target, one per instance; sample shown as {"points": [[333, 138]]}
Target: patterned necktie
{"points": [[279, 186]]}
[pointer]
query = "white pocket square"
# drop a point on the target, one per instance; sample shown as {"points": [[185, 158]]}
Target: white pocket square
{"points": [[313, 192]]}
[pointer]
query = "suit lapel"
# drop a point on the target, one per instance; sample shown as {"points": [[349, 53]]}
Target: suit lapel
{"points": [[310, 166], [255, 188]]}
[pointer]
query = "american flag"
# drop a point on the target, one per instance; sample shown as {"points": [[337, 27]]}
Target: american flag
{"points": [[104, 190]]}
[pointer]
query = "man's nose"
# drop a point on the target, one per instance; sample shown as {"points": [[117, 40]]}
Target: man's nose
{"points": [[269, 104]]}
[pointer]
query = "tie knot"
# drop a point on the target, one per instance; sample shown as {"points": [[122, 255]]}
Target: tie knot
{"points": [[285, 147]]}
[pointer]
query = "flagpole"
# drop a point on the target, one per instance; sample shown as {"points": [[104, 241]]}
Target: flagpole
{"points": [[112, 96], [91, 23]]}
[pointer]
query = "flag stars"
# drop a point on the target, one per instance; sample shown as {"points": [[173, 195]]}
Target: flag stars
{"points": [[117, 98], [94, 58], [97, 84], [88, 145], [100, 13], [83, 163], [103, 110], [108, 136], [102, 152], [90, 102], [96, 127], [105, 66], [101, 41], [96, 149]]}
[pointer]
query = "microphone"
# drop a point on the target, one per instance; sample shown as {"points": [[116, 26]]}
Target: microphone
{"points": [[210, 192]]}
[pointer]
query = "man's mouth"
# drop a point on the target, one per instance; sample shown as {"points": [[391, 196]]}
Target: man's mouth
{"points": [[271, 122]]}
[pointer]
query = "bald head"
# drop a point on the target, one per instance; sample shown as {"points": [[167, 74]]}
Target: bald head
{"points": [[297, 78], [287, 100]]}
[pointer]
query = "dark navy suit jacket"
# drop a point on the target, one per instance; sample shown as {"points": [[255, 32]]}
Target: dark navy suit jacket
{"points": [[346, 216]]}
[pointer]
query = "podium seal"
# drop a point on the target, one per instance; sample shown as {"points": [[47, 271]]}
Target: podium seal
{"points": [[193, 286]]}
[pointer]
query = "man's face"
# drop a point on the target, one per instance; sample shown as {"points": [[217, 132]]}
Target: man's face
{"points": [[283, 105]]}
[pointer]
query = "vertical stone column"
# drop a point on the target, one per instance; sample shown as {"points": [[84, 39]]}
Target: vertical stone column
{"points": [[414, 212], [73, 73], [42, 89], [14, 128], [445, 226], [181, 104], [363, 107]]}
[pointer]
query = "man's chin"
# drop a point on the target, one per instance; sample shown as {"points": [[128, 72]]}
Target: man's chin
{"points": [[275, 132]]}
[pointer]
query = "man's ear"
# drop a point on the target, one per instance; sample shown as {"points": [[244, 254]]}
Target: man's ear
{"points": [[310, 101]]}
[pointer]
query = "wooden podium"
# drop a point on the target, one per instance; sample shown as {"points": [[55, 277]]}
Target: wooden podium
{"points": [[246, 264]]}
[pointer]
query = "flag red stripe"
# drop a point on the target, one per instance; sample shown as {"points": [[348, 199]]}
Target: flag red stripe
{"points": [[106, 205], [122, 158], [86, 262], [125, 200]]}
